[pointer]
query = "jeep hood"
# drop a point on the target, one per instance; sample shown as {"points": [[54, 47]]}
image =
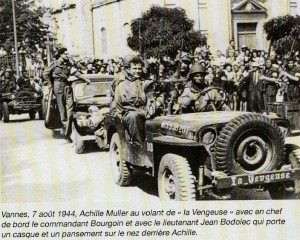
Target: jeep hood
{"points": [[181, 125]]}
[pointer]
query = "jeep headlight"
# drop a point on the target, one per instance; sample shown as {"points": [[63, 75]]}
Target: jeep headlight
{"points": [[207, 136], [191, 135]]}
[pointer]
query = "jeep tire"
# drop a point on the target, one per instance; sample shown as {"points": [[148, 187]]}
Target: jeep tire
{"points": [[41, 115], [5, 112], [288, 189], [44, 108], [32, 114], [250, 143], [122, 174], [77, 141], [175, 179], [1, 115]]}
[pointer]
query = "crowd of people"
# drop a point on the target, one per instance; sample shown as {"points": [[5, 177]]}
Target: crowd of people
{"points": [[245, 79], [226, 70], [277, 77]]}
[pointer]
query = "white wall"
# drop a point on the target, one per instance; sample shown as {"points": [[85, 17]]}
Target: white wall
{"points": [[82, 32]]}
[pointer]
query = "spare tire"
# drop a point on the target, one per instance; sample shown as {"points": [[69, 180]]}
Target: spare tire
{"points": [[250, 143]]}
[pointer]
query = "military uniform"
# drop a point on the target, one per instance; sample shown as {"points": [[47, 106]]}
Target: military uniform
{"points": [[270, 88], [7, 85], [192, 101], [57, 73], [131, 97], [172, 90], [293, 91]]}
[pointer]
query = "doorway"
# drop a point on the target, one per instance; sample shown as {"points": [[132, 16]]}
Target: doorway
{"points": [[246, 34]]}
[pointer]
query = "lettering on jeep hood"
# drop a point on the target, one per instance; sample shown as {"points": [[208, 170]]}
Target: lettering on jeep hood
{"points": [[176, 127]]}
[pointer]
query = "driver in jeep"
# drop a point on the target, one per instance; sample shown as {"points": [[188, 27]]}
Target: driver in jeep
{"points": [[197, 96], [132, 96]]}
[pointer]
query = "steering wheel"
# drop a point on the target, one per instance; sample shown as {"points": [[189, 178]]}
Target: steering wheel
{"points": [[214, 97]]}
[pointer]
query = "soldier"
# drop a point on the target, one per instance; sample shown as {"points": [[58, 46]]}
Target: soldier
{"points": [[170, 89], [175, 87], [132, 96], [119, 77], [23, 81], [8, 81], [192, 100], [270, 75], [293, 75], [58, 73]]}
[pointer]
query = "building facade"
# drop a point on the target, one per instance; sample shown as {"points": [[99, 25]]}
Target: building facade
{"points": [[99, 28]]}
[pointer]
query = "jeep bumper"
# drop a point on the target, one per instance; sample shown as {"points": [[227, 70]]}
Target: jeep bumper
{"points": [[26, 106], [222, 181]]}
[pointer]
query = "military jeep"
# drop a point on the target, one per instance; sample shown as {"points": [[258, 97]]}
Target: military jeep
{"points": [[195, 155], [19, 102], [91, 103]]}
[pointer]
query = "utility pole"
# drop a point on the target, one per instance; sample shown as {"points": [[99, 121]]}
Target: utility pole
{"points": [[140, 37], [48, 50], [15, 38]]}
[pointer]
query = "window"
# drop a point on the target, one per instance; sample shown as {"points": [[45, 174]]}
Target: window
{"points": [[103, 41], [170, 3], [293, 7]]}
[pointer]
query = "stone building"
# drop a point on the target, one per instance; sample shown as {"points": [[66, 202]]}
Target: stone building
{"points": [[99, 28]]}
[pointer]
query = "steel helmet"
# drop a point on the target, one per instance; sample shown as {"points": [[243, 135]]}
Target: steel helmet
{"points": [[197, 68]]}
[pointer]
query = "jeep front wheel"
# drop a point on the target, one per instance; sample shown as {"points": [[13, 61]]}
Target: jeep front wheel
{"points": [[288, 189], [44, 108], [5, 111], [77, 141], [1, 112], [175, 179], [122, 174], [250, 143], [32, 114]]}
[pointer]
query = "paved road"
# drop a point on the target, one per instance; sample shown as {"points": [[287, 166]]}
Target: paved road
{"points": [[35, 167]]}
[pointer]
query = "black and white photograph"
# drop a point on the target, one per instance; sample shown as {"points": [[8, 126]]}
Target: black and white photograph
{"points": [[147, 119]]}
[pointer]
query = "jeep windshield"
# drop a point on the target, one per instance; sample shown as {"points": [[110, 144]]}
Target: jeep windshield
{"points": [[97, 92]]}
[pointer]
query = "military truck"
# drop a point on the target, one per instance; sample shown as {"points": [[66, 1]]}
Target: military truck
{"points": [[19, 102], [195, 155]]}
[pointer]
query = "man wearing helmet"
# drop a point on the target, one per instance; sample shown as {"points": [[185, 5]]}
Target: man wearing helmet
{"points": [[132, 96], [192, 99]]}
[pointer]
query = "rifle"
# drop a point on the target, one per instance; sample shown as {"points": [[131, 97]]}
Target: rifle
{"points": [[283, 80], [180, 55]]}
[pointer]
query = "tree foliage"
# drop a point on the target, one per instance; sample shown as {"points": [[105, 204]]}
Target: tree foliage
{"points": [[284, 34], [28, 24], [162, 31]]}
